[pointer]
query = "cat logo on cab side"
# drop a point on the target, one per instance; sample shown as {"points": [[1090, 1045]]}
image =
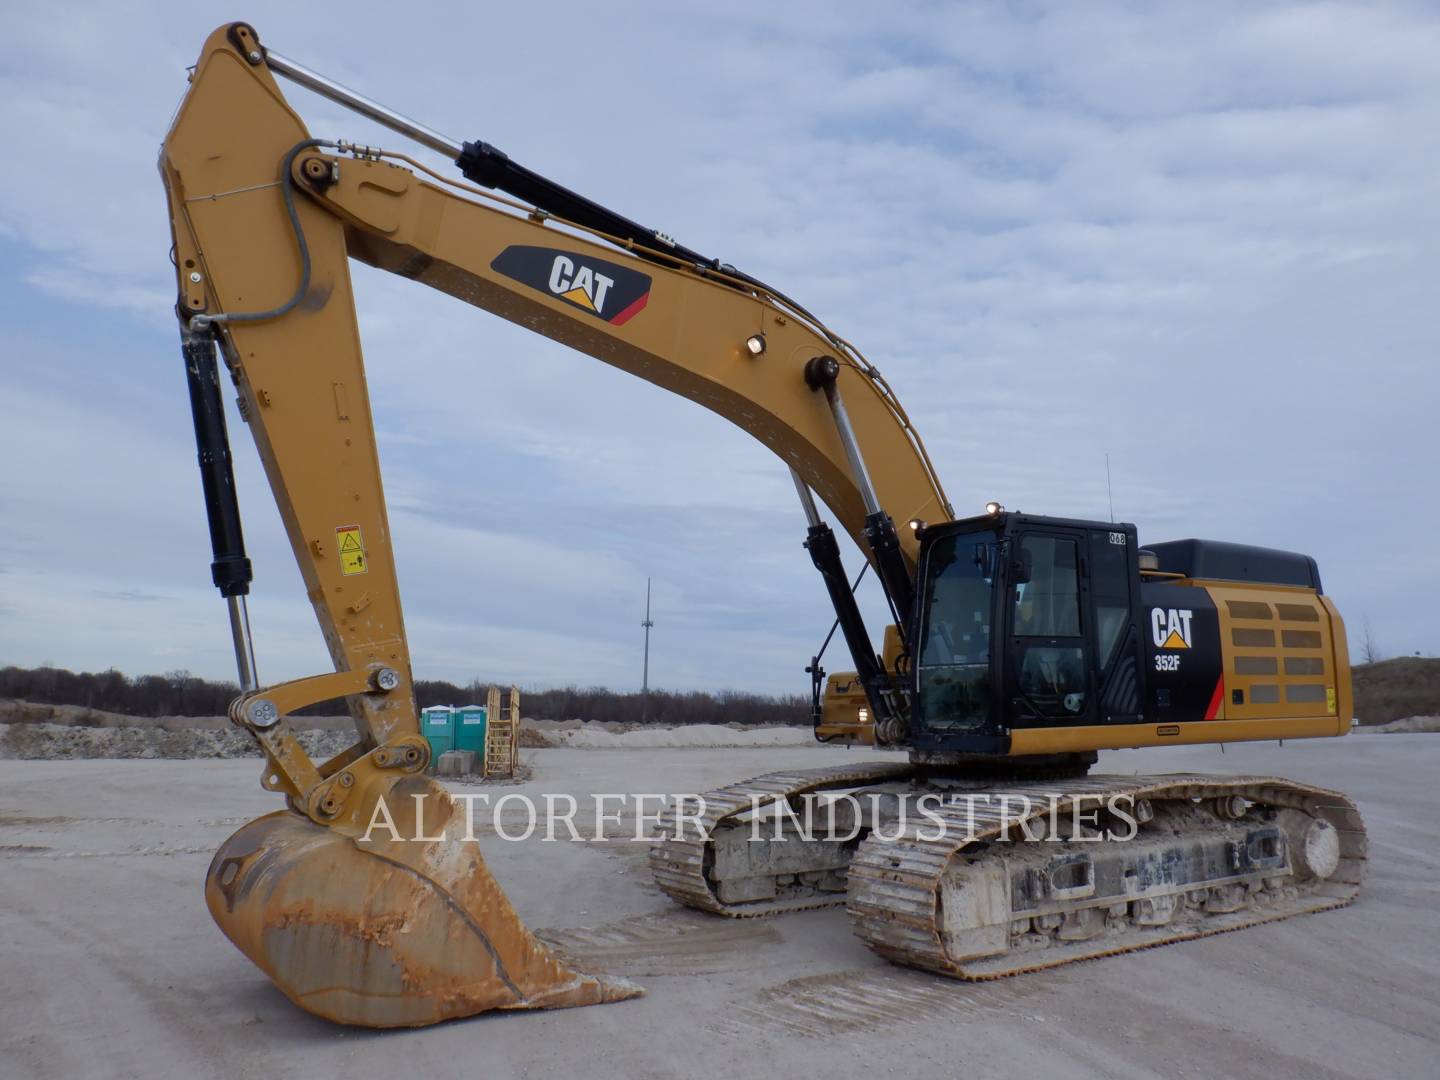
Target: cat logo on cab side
{"points": [[1170, 627]]}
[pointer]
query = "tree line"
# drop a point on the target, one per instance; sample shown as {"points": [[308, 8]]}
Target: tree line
{"points": [[179, 693]]}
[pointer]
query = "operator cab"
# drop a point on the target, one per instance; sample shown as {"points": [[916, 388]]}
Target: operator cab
{"points": [[1024, 621]]}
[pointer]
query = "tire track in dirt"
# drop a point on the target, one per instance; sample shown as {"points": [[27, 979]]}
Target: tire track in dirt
{"points": [[672, 943], [864, 1000]]}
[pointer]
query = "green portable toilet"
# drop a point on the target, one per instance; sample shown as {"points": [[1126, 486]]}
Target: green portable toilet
{"points": [[470, 729], [437, 725]]}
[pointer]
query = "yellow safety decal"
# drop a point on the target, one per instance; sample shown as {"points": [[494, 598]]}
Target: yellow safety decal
{"points": [[352, 550], [1330, 699]]}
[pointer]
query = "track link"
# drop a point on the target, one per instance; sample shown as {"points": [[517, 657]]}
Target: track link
{"points": [[896, 883]]}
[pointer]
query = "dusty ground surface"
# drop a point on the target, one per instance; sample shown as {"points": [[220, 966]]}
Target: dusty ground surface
{"points": [[111, 967]]}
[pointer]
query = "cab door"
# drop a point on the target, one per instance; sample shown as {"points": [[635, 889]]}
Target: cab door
{"points": [[1050, 669], [1112, 574]]}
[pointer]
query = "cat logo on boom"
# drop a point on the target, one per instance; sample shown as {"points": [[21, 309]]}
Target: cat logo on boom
{"points": [[1170, 627], [604, 289], [583, 287]]}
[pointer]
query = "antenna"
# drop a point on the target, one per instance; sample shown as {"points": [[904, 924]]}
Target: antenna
{"points": [[1108, 489], [645, 682]]}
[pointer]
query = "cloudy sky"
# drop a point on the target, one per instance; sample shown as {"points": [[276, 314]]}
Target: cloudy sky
{"points": [[1201, 239]]}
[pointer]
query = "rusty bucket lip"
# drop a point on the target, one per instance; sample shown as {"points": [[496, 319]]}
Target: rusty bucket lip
{"points": [[386, 933]]}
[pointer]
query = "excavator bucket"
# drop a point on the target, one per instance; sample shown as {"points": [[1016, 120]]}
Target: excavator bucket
{"points": [[403, 929]]}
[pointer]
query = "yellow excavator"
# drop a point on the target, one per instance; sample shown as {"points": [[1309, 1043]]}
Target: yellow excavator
{"points": [[1020, 644]]}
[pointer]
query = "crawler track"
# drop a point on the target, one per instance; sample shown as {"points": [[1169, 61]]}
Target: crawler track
{"points": [[680, 863], [895, 884], [897, 881]]}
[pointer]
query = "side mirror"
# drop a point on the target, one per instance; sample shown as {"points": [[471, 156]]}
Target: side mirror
{"points": [[1023, 568]]}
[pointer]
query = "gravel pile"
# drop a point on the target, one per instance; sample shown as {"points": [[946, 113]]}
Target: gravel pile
{"points": [[53, 742], [1410, 725]]}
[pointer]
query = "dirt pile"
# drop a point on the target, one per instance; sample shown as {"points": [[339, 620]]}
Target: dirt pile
{"points": [[533, 739], [13, 711], [1410, 725], [52, 742], [598, 736], [1397, 689], [29, 731]]}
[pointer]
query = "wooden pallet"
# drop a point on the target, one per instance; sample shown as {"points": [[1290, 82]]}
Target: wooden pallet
{"points": [[502, 732]]}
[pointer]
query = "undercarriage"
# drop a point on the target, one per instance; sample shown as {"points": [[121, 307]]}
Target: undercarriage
{"points": [[978, 877]]}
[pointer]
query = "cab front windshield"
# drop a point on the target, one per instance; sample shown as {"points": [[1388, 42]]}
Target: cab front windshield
{"points": [[954, 665]]}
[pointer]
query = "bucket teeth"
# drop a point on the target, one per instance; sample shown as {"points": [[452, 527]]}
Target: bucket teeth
{"points": [[404, 929]]}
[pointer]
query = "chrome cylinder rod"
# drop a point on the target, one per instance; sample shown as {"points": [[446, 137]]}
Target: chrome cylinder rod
{"points": [[244, 647], [807, 500], [852, 449], [342, 95]]}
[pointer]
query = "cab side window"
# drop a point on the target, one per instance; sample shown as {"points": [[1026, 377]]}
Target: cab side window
{"points": [[1110, 592], [1046, 600], [1048, 604]]}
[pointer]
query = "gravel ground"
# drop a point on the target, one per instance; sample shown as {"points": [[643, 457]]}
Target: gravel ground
{"points": [[111, 967]]}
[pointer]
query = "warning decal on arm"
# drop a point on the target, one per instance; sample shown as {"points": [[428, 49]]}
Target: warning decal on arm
{"points": [[352, 550]]}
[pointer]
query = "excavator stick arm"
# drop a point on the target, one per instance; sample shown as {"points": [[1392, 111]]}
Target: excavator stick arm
{"points": [[405, 926]]}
